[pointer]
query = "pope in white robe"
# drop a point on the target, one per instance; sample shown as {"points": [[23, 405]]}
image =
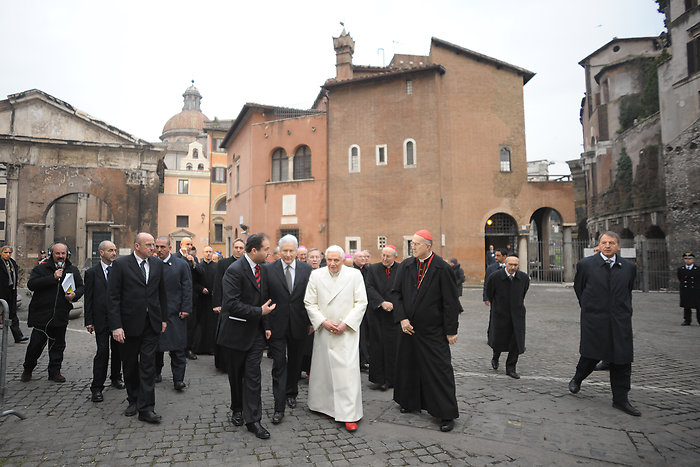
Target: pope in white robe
{"points": [[335, 302]]}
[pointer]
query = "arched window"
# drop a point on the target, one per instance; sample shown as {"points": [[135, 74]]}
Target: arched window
{"points": [[505, 160], [354, 158], [195, 154], [200, 167], [409, 153], [188, 166], [302, 163], [220, 205], [280, 165]]}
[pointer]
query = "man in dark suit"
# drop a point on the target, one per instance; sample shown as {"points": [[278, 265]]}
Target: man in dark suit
{"points": [[95, 304], [186, 253], [603, 285], [137, 310], [8, 291], [426, 305], [689, 285], [506, 289], [178, 287], [238, 250], [242, 331], [383, 330], [289, 324], [500, 262]]}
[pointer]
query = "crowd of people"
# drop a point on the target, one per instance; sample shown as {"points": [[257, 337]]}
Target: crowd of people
{"points": [[326, 314]]}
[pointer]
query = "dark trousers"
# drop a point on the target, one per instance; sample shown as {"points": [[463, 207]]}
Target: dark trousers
{"points": [[178, 363], [620, 376], [101, 361], [14, 322], [56, 337], [364, 341], [287, 353], [191, 327], [512, 359], [687, 315], [139, 364], [245, 380]]}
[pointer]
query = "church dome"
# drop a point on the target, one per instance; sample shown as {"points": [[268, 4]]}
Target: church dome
{"points": [[191, 117]]}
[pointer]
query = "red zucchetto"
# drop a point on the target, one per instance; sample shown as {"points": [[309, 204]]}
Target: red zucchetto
{"points": [[425, 234]]}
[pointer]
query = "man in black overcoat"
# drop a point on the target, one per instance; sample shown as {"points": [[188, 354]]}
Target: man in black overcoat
{"points": [[603, 285], [289, 324], [426, 306], [242, 331], [8, 291], [238, 249], [178, 288], [506, 289], [187, 253], [207, 318], [48, 310], [95, 304], [689, 286], [137, 312], [499, 263], [383, 329]]}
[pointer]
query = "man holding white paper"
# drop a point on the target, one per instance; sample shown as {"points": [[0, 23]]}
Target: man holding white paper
{"points": [[56, 284]]}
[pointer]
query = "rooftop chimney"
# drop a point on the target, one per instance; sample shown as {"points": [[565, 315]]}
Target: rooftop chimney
{"points": [[344, 47]]}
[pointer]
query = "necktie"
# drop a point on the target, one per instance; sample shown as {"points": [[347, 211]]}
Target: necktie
{"points": [[510, 277], [11, 274], [610, 262], [257, 275], [143, 270], [288, 276], [108, 269]]}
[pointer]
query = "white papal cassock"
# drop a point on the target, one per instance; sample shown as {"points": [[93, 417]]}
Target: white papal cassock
{"points": [[335, 386]]}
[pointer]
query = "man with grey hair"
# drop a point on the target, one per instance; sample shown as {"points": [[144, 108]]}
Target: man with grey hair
{"points": [[289, 325], [603, 286], [96, 280], [8, 291], [336, 301]]}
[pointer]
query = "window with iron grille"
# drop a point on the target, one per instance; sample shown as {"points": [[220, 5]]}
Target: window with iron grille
{"points": [[302, 163], [409, 87], [505, 160], [354, 159], [294, 232], [502, 224], [280, 165], [381, 242]]}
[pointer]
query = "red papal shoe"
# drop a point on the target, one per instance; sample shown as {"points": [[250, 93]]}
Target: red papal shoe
{"points": [[351, 426]]}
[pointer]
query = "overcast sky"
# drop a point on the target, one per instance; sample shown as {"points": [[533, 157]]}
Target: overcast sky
{"points": [[128, 62]]}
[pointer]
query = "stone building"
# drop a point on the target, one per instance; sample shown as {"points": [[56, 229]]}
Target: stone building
{"points": [[277, 174], [216, 131], [679, 96], [72, 178], [437, 142]]}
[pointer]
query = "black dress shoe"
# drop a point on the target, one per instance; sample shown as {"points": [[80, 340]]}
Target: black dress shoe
{"points": [[602, 366], [574, 386], [384, 387], [364, 366], [97, 396], [26, 376], [158, 378], [277, 418], [191, 355], [59, 378], [513, 374], [404, 410], [118, 384], [291, 402], [627, 408], [179, 385], [494, 363], [131, 410], [25, 339], [447, 425], [150, 417], [375, 387], [258, 429], [684, 323], [237, 418]]}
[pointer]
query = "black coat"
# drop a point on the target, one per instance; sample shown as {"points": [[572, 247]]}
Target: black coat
{"points": [[131, 299], [459, 277], [7, 293], [177, 279], [605, 296], [95, 302], [289, 316], [49, 305], [689, 286], [207, 318], [221, 268], [507, 309], [241, 308], [424, 375], [493, 267]]}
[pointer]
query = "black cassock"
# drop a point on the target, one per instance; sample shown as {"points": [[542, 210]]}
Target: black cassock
{"points": [[507, 310], [383, 330], [207, 318], [424, 374]]}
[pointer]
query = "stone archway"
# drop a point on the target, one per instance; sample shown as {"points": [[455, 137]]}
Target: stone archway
{"points": [[546, 245], [501, 231]]}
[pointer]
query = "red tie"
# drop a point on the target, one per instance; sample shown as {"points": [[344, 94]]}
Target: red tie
{"points": [[257, 275]]}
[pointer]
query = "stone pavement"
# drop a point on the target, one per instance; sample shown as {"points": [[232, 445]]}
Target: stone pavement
{"points": [[531, 421]]}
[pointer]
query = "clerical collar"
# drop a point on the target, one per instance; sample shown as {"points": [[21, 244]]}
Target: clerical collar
{"points": [[427, 258]]}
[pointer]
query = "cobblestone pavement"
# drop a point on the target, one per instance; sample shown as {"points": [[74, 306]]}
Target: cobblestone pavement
{"points": [[531, 421]]}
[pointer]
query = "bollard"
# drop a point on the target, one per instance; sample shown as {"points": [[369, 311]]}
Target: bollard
{"points": [[5, 320]]}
